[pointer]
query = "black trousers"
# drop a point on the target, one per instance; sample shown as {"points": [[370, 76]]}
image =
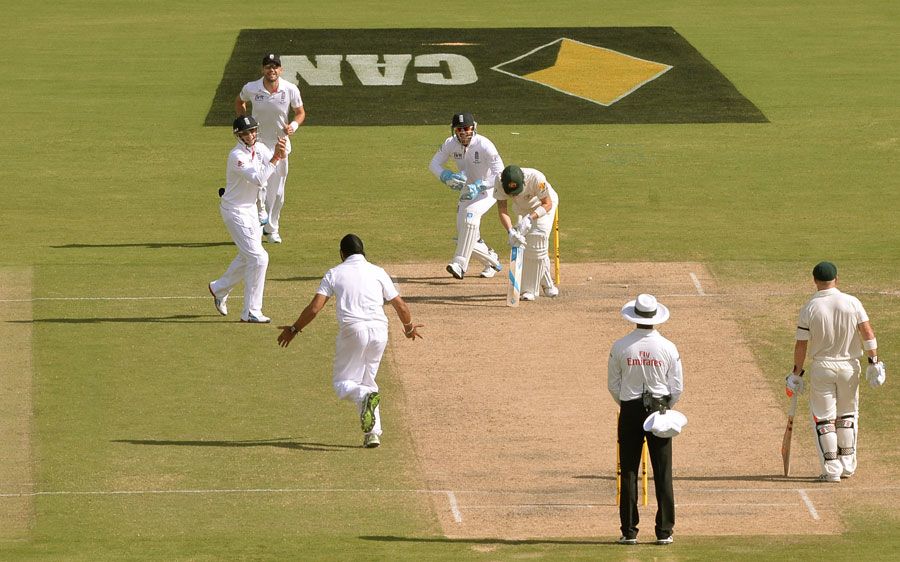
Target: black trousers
{"points": [[631, 441]]}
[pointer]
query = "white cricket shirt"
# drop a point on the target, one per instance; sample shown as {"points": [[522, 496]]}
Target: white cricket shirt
{"points": [[271, 109], [830, 322], [644, 360], [248, 169], [480, 160], [360, 290], [536, 188]]}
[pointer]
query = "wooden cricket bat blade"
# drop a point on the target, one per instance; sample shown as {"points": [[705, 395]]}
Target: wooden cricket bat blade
{"points": [[788, 434]]}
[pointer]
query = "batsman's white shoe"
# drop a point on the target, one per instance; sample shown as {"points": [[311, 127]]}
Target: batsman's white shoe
{"points": [[367, 416], [253, 319], [667, 540], [274, 238], [551, 292], [220, 303], [827, 478], [846, 474], [370, 441], [626, 540], [488, 272], [455, 270], [526, 297]]}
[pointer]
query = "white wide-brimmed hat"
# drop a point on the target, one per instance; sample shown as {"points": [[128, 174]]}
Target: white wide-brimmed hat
{"points": [[645, 310], [665, 425]]}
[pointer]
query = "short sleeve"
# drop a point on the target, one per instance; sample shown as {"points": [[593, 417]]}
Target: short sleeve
{"points": [[326, 287], [803, 324], [388, 289], [861, 315]]}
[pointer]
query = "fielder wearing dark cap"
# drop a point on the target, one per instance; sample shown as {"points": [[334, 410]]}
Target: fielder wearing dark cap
{"points": [[833, 330], [360, 290], [271, 58]]}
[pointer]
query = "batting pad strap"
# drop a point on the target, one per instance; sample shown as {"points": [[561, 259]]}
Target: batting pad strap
{"points": [[871, 344], [824, 427], [844, 451], [844, 423]]}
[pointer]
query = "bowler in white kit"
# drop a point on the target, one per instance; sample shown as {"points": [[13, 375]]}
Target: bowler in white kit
{"points": [[272, 98]]}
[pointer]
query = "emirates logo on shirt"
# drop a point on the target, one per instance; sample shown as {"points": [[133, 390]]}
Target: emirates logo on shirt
{"points": [[644, 359]]}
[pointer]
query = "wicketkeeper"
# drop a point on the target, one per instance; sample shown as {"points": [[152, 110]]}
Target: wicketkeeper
{"points": [[478, 164], [833, 329], [534, 205]]}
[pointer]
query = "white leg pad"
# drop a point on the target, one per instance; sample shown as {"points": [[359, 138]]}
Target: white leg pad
{"points": [[827, 441], [537, 263], [486, 255], [846, 442], [468, 237]]}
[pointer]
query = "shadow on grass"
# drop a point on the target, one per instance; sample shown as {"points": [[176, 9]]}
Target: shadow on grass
{"points": [[481, 300], [722, 478], [278, 442], [178, 318], [150, 245], [391, 538]]}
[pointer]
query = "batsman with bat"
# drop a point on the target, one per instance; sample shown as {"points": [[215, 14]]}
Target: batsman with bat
{"points": [[534, 204], [833, 329]]}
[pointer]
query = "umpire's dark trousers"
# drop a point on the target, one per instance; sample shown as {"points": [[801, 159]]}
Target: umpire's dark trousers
{"points": [[631, 441]]}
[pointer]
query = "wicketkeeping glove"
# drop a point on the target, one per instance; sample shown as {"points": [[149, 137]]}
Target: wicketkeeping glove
{"points": [[516, 239], [472, 190], [454, 180], [875, 374], [793, 383]]}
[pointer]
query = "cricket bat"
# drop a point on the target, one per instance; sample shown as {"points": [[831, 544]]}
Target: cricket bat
{"points": [[516, 261], [788, 433]]}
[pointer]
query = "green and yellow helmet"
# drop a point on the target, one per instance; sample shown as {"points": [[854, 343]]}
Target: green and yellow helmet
{"points": [[512, 179]]}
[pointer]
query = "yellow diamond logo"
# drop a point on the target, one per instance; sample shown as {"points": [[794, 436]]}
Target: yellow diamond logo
{"points": [[592, 73]]}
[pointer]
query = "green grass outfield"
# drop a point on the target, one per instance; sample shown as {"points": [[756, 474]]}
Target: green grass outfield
{"points": [[108, 190]]}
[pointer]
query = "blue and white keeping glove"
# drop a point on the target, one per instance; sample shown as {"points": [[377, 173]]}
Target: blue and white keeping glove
{"points": [[454, 180], [793, 383], [875, 374], [472, 190]]}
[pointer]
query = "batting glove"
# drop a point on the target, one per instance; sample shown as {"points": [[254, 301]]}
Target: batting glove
{"points": [[875, 374], [793, 383], [516, 240], [524, 225]]}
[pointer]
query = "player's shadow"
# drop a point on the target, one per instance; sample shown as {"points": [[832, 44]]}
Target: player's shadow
{"points": [[295, 279], [718, 478], [177, 319], [150, 245], [466, 300], [512, 542], [277, 442]]}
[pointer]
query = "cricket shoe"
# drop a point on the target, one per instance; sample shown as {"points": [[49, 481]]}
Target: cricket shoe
{"points": [[455, 270], [667, 540], [626, 540], [846, 474], [528, 297], [551, 292], [253, 319], [274, 238], [370, 441], [489, 271], [220, 303], [827, 478], [367, 416]]}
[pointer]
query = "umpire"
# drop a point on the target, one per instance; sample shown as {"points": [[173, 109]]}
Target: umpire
{"points": [[645, 375]]}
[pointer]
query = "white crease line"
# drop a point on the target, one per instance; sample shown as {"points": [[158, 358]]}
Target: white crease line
{"points": [[809, 504], [454, 507], [697, 284]]}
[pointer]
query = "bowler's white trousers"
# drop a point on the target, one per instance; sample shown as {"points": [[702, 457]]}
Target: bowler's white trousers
{"points": [[251, 262], [357, 355], [273, 195]]}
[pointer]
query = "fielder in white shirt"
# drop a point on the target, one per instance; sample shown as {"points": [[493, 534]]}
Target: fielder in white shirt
{"points": [[833, 330], [272, 98], [360, 290], [250, 164], [644, 372], [534, 205], [478, 165]]}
